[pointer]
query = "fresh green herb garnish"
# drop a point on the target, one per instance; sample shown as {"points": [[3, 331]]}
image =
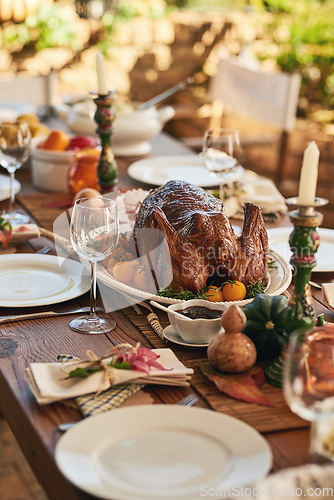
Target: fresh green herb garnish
{"points": [[255, 288], [272, 264], [182, 294], [121, 365], [5, 225], [84, 372]]}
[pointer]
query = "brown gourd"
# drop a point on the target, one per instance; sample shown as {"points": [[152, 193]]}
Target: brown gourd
{"points": [[232, 351]]}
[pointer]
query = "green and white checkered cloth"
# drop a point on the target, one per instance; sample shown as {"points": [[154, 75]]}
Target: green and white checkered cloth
{"points": [[112, 398]]}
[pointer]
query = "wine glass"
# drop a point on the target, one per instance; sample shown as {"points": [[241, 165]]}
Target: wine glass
{"points": [[221, 152], [15, 140], [308, 380], [94, 232]]}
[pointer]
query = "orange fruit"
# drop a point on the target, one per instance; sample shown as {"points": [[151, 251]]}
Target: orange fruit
{"points": [[214, 294], [235, 290], [124, 271], [57, 140], [141, 279]]}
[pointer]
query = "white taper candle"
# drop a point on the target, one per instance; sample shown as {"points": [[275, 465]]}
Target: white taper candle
{"points": [[101, 75], [309, 175]]}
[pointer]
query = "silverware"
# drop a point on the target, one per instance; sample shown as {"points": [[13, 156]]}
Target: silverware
{"points": [[43, 250], [189, 400], [44, 314], [160, 97], [65, 427]]}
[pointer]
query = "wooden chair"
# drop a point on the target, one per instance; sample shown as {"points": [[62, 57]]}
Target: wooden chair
{"points": [[271, 98], [37, 90]]}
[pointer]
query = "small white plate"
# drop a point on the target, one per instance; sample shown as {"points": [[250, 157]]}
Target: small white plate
{"points": [[171, 335], [161, 169], [4, 187], [151, 452], [35, 280], [279, 242]]}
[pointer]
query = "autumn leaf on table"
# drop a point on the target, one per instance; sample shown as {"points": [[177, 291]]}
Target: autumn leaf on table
{"points": [[244, 386]]}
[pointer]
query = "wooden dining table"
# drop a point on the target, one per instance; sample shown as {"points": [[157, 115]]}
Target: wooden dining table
{"points": [[41, 340]]}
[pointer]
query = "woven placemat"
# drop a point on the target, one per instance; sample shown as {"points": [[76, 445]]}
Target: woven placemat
{"points": [[263, 418]]}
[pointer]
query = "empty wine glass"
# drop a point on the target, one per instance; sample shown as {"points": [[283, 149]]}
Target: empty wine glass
{"points": [[15, 140], [94, 232], [221, 152], [308, 380]]}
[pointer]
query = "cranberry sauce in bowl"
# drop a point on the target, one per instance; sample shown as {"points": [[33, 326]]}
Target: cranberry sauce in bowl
{"points": [[200, 312], [205, 320]]}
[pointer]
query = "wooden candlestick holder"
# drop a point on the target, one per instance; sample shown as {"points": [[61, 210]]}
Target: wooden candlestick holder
{"points": [[104, 117], [304, 242]]}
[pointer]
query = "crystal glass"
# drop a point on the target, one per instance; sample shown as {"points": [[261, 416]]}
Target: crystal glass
{"points": [[308, 380], [94, 232], [221, 152], [15, 140]]}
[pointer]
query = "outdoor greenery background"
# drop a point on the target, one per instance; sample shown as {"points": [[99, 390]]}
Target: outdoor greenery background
{"points": [[298, 36]]}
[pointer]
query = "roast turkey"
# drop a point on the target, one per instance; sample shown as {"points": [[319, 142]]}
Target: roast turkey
{"points": [[201, 240]]}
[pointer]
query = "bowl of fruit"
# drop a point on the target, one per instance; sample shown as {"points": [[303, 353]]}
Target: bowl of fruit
{"points": [[52, 157], [132, 130]]}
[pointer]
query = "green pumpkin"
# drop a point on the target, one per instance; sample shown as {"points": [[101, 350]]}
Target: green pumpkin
{"points": [[265, 325]]}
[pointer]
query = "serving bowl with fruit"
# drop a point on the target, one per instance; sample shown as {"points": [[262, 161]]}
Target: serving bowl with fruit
{"points": [[133, 128], [52, 157]]}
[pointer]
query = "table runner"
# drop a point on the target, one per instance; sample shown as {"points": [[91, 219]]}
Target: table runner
{"points": [[45, 207]]}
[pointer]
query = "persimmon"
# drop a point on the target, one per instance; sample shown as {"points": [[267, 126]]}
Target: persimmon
{"points": [[117, 256], [234, 290], [57, 140], [214, 294], [124, 271], [140, 279]]}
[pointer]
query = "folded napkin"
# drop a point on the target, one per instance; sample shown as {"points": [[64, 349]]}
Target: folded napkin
{"points": [[258, 190], [328, 295], [112, 398], [49, 382], [24, 232]]}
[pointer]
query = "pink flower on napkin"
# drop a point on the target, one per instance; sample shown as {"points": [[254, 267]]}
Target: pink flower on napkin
{"points": [[141, 359]]}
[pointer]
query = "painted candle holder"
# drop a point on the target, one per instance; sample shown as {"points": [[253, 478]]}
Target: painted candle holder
{"points": [[104, 117], [304, 242]]}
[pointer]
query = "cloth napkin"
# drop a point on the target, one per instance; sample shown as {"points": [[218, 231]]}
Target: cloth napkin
{"points": [[24, 232], [328, 295], [110, 399], [258, 190], [49, 383]]}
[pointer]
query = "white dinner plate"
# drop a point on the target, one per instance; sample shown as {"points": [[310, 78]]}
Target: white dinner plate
{"points": [[279, 241], [279, 280], [171, 335], [4, 187], [36, 280], [150, 452], [161, 169]]}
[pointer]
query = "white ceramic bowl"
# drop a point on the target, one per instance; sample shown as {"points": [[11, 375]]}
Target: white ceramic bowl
{"points": [[196, 331], [132, 129], [50, 168]]}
